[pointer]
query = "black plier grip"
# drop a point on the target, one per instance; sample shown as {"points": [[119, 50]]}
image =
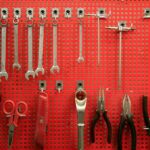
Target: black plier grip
{"points": [[109, 128], [145, 113], [130, 122]]}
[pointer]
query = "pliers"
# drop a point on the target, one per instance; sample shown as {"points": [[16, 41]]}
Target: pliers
{"points": [[101, 109], [127, 117], [145, 114]]}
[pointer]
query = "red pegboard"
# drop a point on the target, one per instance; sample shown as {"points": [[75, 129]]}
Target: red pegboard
{"points": [[62, 124]]}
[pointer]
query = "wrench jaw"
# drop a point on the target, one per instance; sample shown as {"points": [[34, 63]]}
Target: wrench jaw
{"points": [[55, 69], [29, 73], [17, 66], [39, 70], [80, 59], [4, 74]]}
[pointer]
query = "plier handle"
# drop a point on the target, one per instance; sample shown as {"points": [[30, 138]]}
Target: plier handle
{"points": [[127, 117], [101, 109]]}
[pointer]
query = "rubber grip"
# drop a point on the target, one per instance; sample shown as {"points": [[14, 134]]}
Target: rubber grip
{"points": [[96, 118], [133, 133], [42, 120], [109, 127], [120, 132], [145, 113]]}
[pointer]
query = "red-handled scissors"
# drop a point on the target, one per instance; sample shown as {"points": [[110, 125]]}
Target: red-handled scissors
{"points": [[14, 112]]}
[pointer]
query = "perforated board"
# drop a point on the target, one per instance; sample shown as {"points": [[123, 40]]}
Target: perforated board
{"points": [[62, 124]]}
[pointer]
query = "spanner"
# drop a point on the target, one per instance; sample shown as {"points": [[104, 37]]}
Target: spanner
{"points": [[30, 71], [80, 58], [3, 72], [55, 66], [40, 60], [80, 100], [16, 63]]}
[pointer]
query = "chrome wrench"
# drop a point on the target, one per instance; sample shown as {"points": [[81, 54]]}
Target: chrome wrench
{"points": [[40, 60], [30, 71], [55, 67], [16, 62], [3, 72], [80, 100], [80, 58]]}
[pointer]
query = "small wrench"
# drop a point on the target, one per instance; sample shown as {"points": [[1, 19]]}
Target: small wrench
{"points": [[55, 66], [40, 60], [3, 72], [80, 58], [16, 63], [30, 71]]}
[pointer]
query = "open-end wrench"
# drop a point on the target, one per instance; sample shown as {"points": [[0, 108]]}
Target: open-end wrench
{"points": [[55, 67], [120, 28], [3, 72], [16, 62], [40, 60], [30, 71], [80, 100]]}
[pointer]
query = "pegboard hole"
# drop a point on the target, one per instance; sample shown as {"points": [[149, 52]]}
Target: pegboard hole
{"points": [[42, 85], [29, 12], [80, 12], [55, 12], [101, 12], [68, 12], [4, 12], [42, 12], [59, 84], [17, 12]]}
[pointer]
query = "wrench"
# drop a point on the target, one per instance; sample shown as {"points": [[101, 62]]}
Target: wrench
{"points": [[3, 72], [30, 71], [55, 66], [16, 63], [41, 39], [80, 58]]}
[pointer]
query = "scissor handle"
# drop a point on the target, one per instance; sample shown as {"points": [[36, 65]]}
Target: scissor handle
{"points": [[7, 112], [18, 106]]}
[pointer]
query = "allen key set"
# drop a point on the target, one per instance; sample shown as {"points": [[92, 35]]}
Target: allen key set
{"points": [[63, 64]]}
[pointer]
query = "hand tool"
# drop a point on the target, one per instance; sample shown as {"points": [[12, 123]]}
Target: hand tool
{"points": [[42, 15], [80, 13], [127, 117], [30, 71], [13, 112], [101, 14], [146, 13], [4, 16], [120, 28], [17, 13], [55, 67], [145, 114], [80, 101], [42, 117], [101, 108]]}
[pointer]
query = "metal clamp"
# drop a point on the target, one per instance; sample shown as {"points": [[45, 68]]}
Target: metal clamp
{"points": [[55, 13], [4, 13], [68, 13], [17, 13], [80, 13], [42, 85], [42, 13], [29, 13], [59, 85]]}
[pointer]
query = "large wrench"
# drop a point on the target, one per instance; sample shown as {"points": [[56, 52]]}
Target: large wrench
{"points": [[55, 66], [16, 62], [40, 60], [80, 58], [30, 71], [3, 72]]}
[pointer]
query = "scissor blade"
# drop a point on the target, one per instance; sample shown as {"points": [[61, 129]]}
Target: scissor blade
{"points": [[10, 135]]}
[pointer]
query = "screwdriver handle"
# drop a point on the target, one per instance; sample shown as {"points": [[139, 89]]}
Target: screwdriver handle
{"points": [[42, 119]]}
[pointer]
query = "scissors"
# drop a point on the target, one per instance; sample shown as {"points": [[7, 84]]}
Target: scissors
{"points": [[13, 112]]}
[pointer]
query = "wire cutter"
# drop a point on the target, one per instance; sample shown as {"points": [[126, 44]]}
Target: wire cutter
{"points": [[101, 109], [127, 117]]}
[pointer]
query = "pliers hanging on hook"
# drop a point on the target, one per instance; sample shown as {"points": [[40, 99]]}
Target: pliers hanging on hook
{"points": [[101, 109], [145, 114], [127, 117]]}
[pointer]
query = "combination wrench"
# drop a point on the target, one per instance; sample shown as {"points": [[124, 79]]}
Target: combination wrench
{"points": [[30, 71], [120, 28], [16, 62], [80, 101], [3, 72], [40, 60], [55, 67], [42, 15]]}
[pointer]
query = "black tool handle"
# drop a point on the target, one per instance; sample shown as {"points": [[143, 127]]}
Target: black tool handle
{"points": [[145, 113], [120, 132], [109, 127], [96, 118], [133, 132]]}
